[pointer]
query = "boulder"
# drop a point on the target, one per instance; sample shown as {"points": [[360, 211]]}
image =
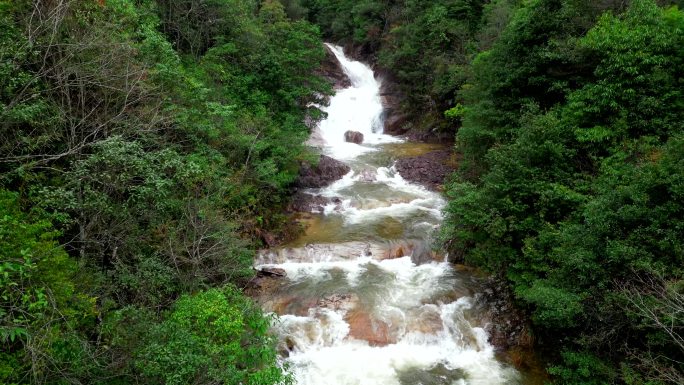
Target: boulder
{"points": [[326, 172], [363, 327], [308, 203], [353, 137], [426, 319], [430, 169], [399, 249], [271, 272]]}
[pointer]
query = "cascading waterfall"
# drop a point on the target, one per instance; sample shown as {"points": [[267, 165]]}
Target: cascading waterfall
{"points": [[357, 108], [370, 305]]}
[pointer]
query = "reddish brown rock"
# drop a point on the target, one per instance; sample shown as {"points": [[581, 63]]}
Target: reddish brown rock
{"points": [[353, 137], [398, 250], [425, 319], [363, 327]]}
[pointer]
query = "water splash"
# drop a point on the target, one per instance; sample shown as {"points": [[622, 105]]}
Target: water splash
{"points": [[357, 108], [358, 313]]}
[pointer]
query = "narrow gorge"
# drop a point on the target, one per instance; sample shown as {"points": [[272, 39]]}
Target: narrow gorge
{"points": [[361, 297]]}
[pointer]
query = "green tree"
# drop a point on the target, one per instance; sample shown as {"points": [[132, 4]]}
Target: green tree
{"points": [[571, 191], [213, 336], [43, 313]]}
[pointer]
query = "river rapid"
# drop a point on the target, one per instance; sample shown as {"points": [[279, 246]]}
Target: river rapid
{"points": [[365, 300]]}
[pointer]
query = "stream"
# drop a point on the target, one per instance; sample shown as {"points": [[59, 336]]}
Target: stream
{"points": [[365, 300]]}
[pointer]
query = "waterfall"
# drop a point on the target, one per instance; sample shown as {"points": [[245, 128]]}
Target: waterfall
{"points": [[357, 108], [359, 305]]}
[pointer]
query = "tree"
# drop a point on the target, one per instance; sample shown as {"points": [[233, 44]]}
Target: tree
{"points": [[42, 310], [216, 336], [571, 183]]}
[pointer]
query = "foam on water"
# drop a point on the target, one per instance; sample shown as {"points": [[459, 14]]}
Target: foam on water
{"points": [[320, 270], [357, 108], [427, 323], [325, 354], [424, 200]]}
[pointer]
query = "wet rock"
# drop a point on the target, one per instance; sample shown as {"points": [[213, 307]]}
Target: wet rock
{"points": [[262, 286], [507, 326], [418, 250], [399, 250], [269, 238], [353, 137], [430, 136], [316, 138], [389, 228], [430, 169], [426, 319], [368, 175], [361, 52], [339, 302], [308, 203], [288, 345], [278, 304], [422, 253], [322, 252], [271, 272], [266, 280], [392, 98], [396, 124], [363, 327], [331, 69], [281, 302], [367, 251], [326, 172], [437, 375]]}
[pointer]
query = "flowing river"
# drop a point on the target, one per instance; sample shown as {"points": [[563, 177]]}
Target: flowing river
{"points": [[365, 300]]}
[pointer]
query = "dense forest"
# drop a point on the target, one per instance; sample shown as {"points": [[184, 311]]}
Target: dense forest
{"points": [[147, 147]]}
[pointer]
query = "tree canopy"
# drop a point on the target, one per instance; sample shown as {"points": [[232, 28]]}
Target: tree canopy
{"points": [[146, 147]]}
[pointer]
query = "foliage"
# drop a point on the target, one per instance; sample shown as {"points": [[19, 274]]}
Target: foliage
{"points": [[146, 146], [41, 308], [424, 45], [570, 185], [216, 336]]}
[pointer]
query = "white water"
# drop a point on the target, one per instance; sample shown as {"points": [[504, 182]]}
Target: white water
{"points": [[419, 329], [357, 108]]}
